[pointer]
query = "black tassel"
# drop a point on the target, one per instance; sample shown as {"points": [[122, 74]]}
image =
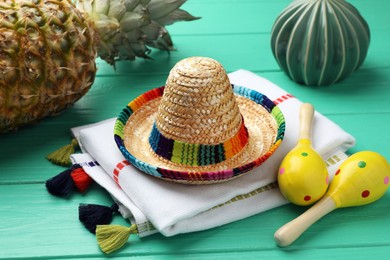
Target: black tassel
{"points": [[92, 215], [62, 184]]}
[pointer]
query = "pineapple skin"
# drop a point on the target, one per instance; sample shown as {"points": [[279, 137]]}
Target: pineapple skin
{"points": [[47, 59]]}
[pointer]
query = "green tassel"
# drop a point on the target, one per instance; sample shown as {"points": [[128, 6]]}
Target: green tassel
{"points": [[62, 155], [113, 237]]}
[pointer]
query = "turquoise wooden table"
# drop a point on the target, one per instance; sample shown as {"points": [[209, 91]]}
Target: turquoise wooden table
{"points": [[34, 224]]}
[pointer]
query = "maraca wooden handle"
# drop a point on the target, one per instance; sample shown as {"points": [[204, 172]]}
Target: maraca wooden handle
{"points": [[288, 233], [306, 120]]}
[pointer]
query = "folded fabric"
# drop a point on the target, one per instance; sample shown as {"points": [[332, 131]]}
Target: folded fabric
{"points": [[172, 208]]}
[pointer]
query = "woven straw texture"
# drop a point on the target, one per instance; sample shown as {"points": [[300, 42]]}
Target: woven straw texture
{"points": [[198, 104], [195, 129]]}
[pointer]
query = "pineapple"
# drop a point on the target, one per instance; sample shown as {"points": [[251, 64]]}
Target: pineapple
{"points": [[48, 48], [127, 26]]}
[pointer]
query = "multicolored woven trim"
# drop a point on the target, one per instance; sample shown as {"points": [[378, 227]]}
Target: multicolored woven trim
{"points": [[197, 177], [133, 106], [197, 154]]}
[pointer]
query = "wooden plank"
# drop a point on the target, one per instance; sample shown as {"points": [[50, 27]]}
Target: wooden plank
{"points": [[256, 16], [365, 91], [37, 225]]}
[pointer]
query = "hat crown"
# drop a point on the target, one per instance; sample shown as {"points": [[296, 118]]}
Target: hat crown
{"points": [[198, 105]]}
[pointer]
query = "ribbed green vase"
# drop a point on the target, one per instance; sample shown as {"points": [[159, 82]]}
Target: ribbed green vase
{"points": [[320, 42]]}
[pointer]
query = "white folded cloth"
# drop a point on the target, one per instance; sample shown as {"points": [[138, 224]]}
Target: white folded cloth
{"points": [[171, 208]]}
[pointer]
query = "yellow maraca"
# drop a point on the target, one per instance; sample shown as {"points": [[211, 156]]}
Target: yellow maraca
{"points": [[303, 176], [361, 179]]}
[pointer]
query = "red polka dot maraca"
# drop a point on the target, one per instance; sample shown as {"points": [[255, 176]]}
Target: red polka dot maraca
{"points": [[303, 176], [361, 179]]}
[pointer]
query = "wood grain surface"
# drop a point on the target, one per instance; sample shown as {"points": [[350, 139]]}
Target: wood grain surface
{"points": [[35, 225]]}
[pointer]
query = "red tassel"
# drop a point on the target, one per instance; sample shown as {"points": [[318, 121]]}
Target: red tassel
{"points": [[81, 179]]}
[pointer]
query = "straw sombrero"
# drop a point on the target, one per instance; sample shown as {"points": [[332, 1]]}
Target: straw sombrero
{"points": [[199, 128]]}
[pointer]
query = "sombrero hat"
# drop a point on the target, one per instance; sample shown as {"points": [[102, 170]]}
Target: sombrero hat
{"points": [[199, 128]]}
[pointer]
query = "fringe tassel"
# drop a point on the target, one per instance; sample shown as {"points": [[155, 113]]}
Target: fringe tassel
{"points": [[62, 155], [92, 215], [62, 184], [112, 237], [81, 179]]}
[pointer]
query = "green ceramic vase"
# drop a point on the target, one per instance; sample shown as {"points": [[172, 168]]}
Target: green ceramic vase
{"points": [[320, 42]]}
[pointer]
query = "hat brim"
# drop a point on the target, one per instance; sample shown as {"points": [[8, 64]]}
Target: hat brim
{"points": [[263, 119]]}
